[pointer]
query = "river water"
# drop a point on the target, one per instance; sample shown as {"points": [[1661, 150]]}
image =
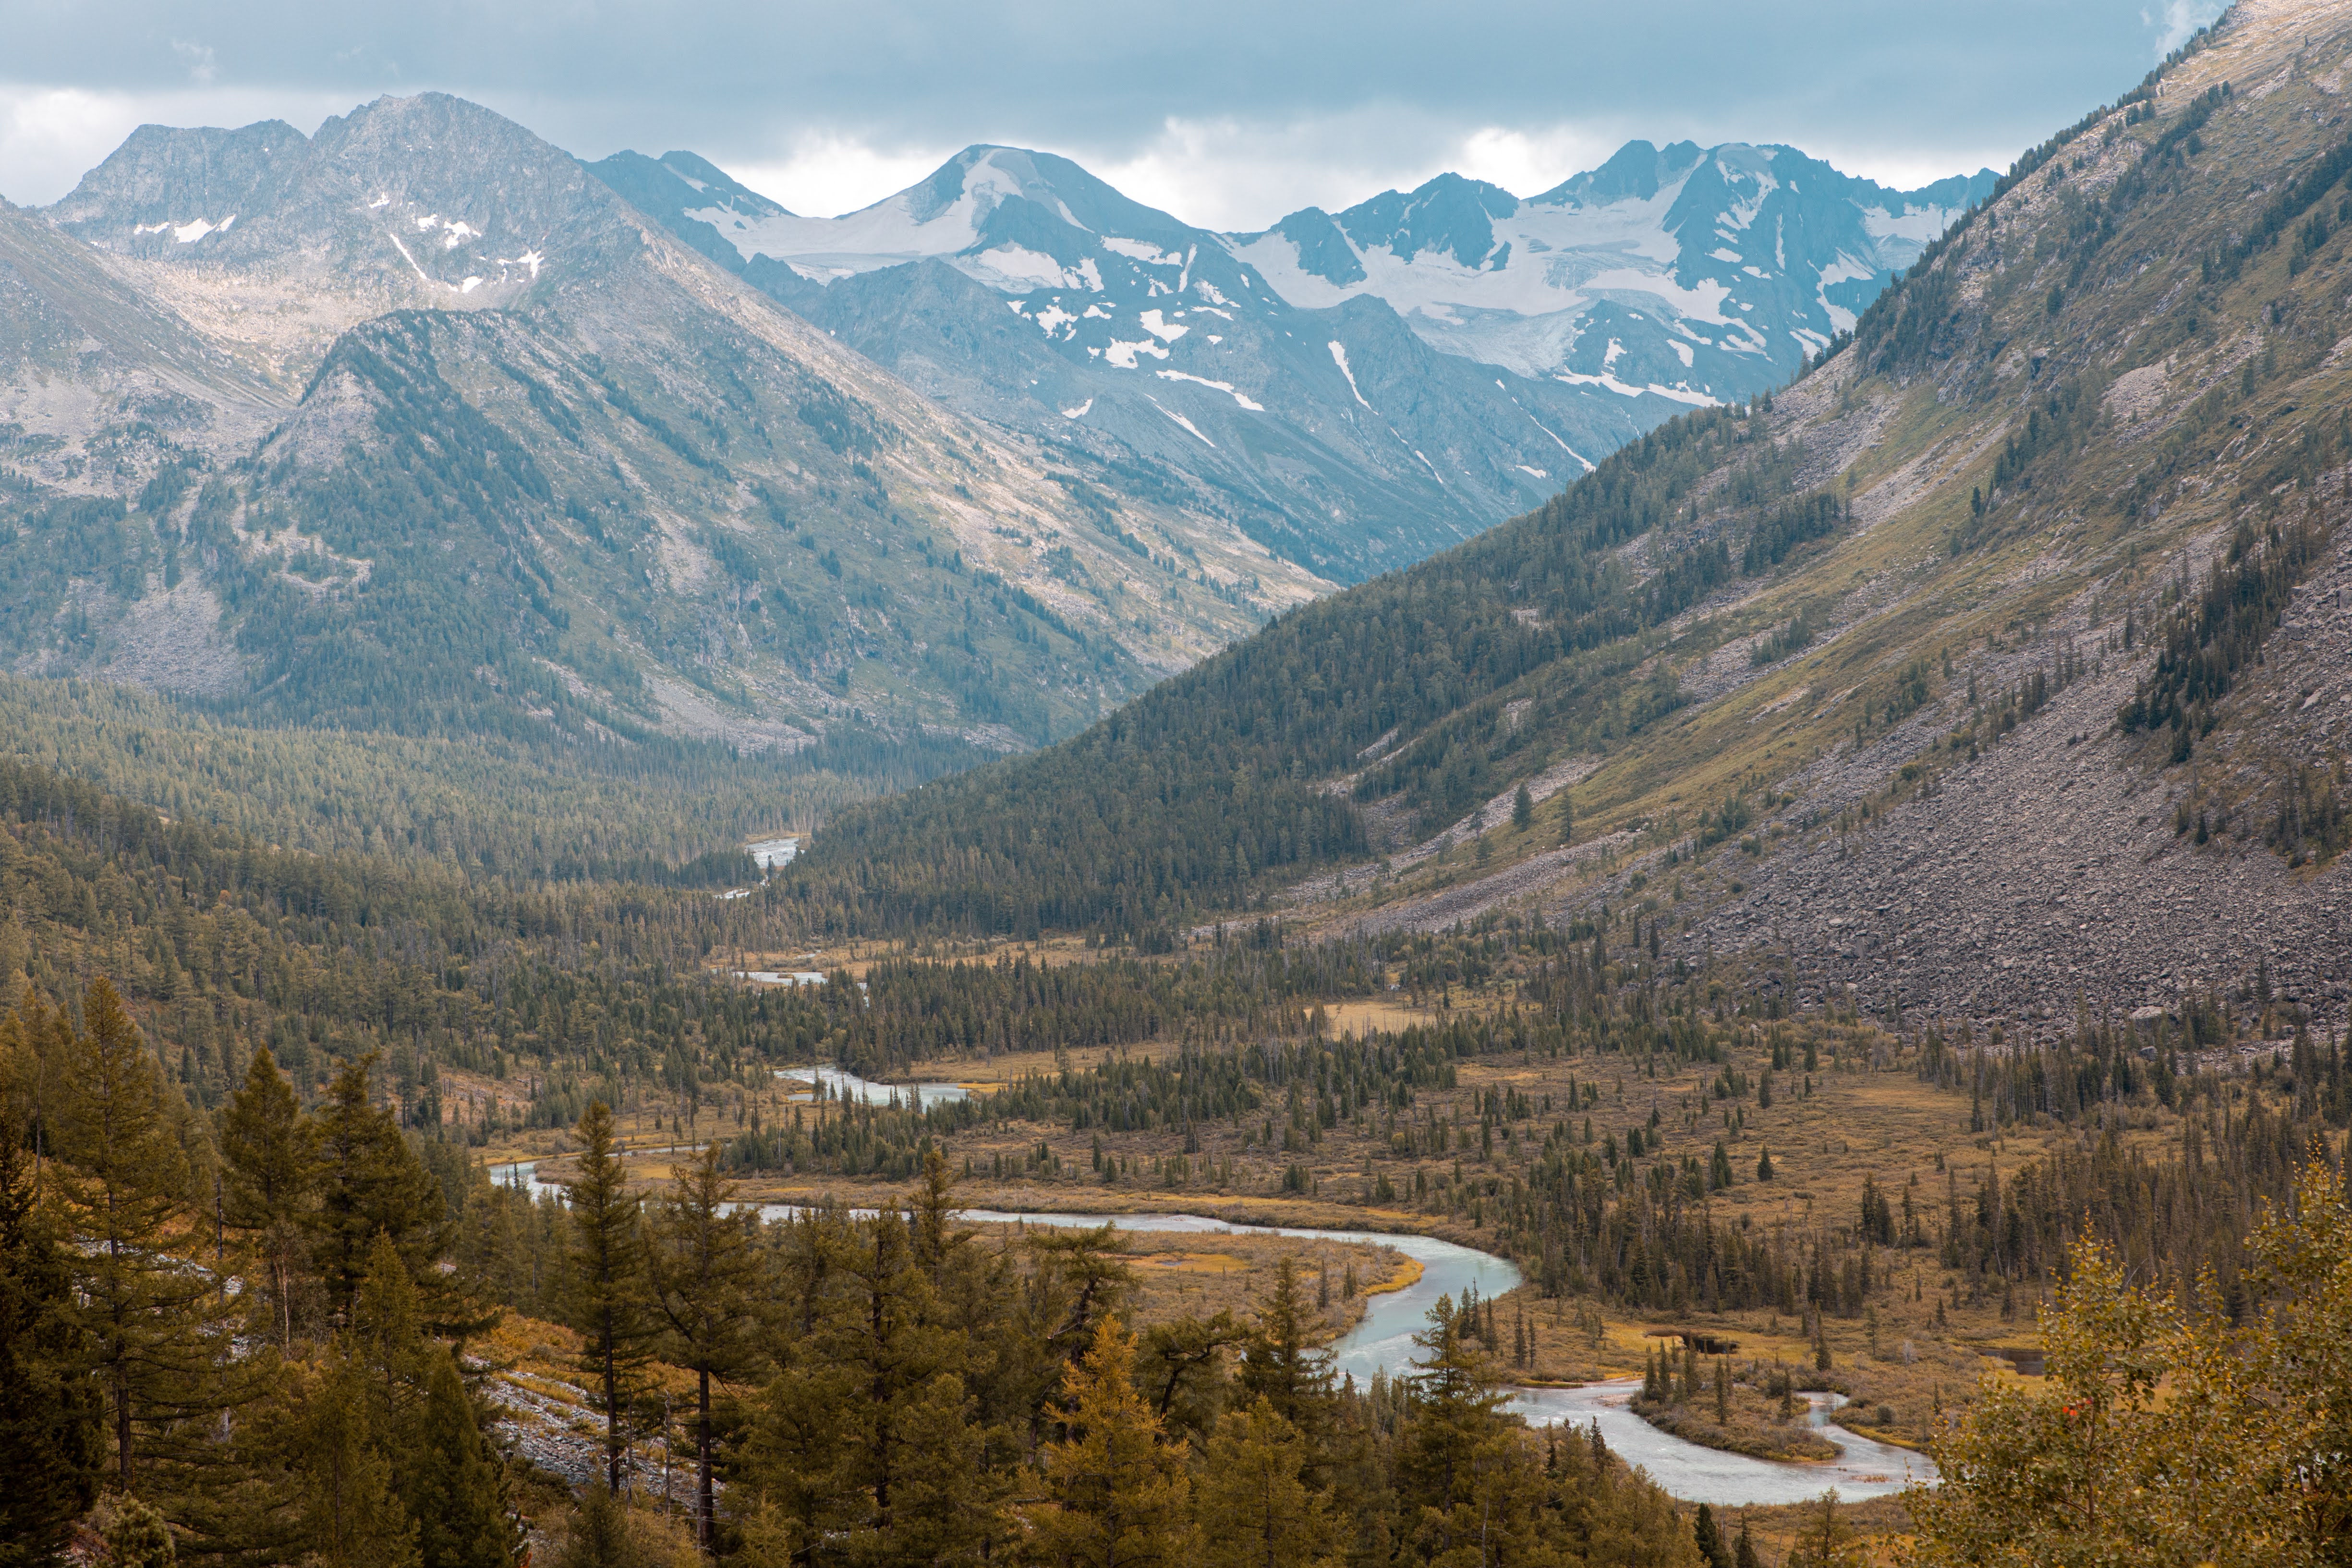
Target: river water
{"points": [[842, 1085], [1383, 1341]]}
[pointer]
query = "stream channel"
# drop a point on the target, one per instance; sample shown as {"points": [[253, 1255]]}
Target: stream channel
{"points": [[1383, 1341]]}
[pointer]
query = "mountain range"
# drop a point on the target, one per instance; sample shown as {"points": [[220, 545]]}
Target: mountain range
{"points": [[1361, 389], [1996, 668], [419, 422], [415, 423]]}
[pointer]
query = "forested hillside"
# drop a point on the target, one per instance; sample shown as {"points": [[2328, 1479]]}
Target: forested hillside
{"points": [[2044, 556], [1238, 774], [311, 1047]]}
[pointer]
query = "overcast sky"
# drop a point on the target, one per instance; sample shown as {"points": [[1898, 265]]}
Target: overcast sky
{"points": [[1227, 112]]}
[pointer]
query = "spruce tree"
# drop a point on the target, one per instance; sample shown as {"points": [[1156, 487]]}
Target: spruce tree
{"points": [[369, 1180], [1709, 1540], [704, 1277], [350, 1513], [1280, 1366], [1523, 808], [1459, 1464], [453, 1484], [947, 1501], [608, 1294], [386, 1337]]}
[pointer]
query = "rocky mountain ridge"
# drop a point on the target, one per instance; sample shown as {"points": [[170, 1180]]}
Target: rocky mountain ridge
{"points": [[415, 419], [1017, 287], [1995, 844], [1365, 389]]}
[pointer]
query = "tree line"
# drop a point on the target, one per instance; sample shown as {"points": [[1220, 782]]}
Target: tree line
{"points": [[259, 1335]]}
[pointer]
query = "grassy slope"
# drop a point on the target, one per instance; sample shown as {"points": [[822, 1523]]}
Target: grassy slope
{"points": [[2202, 404]]}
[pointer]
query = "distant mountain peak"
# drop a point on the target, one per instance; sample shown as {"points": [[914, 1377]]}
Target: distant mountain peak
{"points": [[1419, 365]]}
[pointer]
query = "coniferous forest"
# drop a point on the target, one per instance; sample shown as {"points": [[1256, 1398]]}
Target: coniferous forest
{"points": [[1783, 1009], [256, 1253]]}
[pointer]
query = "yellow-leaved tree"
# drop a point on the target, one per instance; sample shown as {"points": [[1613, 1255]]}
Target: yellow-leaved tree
{"points": [[1119, 1495], [2165, 1436]]}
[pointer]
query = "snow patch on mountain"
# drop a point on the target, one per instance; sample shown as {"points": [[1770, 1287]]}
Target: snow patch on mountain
{"points": [[186, 233], [1179, 419], [1224, 386], [1340, 358]]}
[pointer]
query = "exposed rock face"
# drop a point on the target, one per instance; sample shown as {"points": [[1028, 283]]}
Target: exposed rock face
{"points": [[420, 405]]}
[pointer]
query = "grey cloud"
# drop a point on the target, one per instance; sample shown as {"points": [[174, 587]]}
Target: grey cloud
{"points": [[742, 82]]}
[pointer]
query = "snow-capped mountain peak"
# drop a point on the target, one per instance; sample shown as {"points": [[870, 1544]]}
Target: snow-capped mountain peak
{"points": [[1711, 272], [1406, 370]]}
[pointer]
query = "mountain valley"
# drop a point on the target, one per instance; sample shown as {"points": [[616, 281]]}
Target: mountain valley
{"points": [[1644, 878], [1828, 685]]}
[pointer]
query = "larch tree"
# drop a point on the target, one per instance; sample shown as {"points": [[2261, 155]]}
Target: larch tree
{"points": [[122, 1180], [1120, 1496], [51, 1441], [1252, 1487], [267, 1145]]}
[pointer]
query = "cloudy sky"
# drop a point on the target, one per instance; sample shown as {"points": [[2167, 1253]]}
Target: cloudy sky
{"points": [[1227, 112]]}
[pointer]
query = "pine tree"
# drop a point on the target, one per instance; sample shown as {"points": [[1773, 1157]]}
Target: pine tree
{"points": [[704, 1275], [1567, 820], [51, 1441], [1764, 1166], [1262, 1514], [608, 1305], [267, 1145], [1121, 1496], [1744, 1554], [1523, 808], [123, 1181]]}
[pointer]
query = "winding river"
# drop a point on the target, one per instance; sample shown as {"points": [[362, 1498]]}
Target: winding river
{"points": [[1383, 1341]]}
